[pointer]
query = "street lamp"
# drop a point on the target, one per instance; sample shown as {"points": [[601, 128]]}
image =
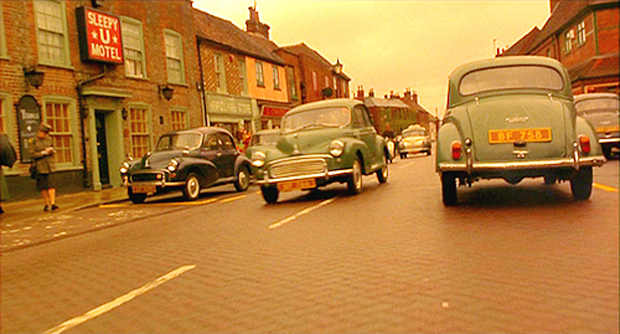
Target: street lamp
{"points": [[166, 91], [338, 66], [34, 77]]}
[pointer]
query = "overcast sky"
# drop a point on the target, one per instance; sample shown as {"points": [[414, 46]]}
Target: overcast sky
{"points": [[393, 45]]}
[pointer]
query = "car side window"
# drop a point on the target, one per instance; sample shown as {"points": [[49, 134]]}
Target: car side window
{"points": [[226, 141], [211, 142], [358, 118], [367, 119]]}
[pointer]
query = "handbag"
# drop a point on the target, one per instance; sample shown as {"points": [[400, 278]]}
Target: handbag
{"points": [[33, 171]]}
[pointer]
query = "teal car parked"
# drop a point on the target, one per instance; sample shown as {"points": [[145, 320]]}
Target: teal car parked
{"points": [[320, 143], [512, 118]]}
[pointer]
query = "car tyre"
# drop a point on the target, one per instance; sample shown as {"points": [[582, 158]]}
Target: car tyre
{"points": [[448, 189], [136, 198], [191, 190], [270, 194], [354, 183], [403, 155], [581, 184], [243, 179], [383, 173]]}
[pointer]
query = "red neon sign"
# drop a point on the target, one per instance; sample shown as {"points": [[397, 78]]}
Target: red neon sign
{"points": [[100, 35]]}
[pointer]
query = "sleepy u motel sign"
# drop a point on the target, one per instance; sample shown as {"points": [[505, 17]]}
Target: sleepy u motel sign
{"points": [[100, 36]]}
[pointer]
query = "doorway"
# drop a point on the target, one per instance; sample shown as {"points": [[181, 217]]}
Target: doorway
{"points": [[102, 147]]}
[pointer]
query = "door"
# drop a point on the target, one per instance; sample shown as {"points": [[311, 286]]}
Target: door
{"points": [[102, 148]]}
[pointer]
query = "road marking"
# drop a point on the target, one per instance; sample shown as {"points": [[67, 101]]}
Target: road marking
{"points": [[406, 165], [604, 187], [118, 301], [301, 213], [230, 199], [206, 201]]}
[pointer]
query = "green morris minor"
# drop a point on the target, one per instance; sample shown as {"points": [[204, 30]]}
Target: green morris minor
{"points": [[513, 118], [320, 143]]}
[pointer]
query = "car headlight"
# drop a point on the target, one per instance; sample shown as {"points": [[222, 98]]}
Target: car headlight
{"points": [[336, 148], [124, 169], [258, 159], [172, 165]]}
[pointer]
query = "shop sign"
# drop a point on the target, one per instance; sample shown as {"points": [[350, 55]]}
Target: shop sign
{"points": [[100, 36], [28, 120], [273, 111]]}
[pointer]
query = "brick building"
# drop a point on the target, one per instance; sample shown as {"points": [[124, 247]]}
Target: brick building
{"points": [[137, 82], [390, 109], [583, 35]]}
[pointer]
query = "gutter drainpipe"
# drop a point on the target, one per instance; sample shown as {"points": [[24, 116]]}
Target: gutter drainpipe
{"points": [[201, 88]]}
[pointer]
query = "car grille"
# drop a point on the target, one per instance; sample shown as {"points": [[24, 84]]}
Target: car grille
{"points": [[299, 167], [146, 177]]}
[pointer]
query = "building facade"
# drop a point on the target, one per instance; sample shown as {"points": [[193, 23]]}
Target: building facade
{"points": [[115, 76], [583, 35]]}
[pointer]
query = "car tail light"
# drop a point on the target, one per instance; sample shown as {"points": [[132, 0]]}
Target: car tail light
{"points": [[584, 143], [456, 149]]}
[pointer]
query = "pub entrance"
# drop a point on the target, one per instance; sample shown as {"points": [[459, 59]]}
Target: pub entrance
{"points": [[102, 147]]}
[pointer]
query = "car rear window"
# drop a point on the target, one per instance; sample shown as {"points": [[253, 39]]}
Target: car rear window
{"points": [[593, 105], [511, 77]]}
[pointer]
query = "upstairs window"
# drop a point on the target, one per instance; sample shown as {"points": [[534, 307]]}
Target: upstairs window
{"points": [[3, 52], [174, 57], [243, 77], [260, 76], [568, 42], [276, 77], [581, 33], [52, 37], [133, 42], [220, 75], [292, 87]]}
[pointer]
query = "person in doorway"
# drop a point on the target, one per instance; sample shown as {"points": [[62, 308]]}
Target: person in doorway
{"points": [[42, 152]]}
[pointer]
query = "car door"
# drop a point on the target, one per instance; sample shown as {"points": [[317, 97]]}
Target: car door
{"points": [[364, 131], [228, 155], [213, 152]]}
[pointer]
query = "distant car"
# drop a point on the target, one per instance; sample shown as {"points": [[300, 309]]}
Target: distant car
{"points": [[321, 142], [602, 110], [512, 118], [415, 139], [262, 138], [187, 160]]}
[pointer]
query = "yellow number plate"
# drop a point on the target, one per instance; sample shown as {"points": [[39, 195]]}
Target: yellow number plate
{"points": [[296, 185], [139, 189], [605, 129], [511, 135]]}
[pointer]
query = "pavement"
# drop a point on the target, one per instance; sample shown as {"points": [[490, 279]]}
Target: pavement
{"points": [[17, 211]]}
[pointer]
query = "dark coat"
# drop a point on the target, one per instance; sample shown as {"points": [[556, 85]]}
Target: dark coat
{"points": [[44, 163]]}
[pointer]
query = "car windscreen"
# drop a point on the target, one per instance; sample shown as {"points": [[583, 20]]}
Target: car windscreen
{"points": [[182, 141], [333, 117], [594, 105], [511, 77]]}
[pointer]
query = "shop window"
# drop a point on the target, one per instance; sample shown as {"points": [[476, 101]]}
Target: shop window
{"points": [[58, 115], [133, 43], [260, 76], [139, 128], [174, 57], [179, 119], [52, 36]]}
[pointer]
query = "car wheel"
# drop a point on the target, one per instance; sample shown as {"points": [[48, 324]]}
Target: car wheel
{"points": [[383, 173], [191, 190], [270, 194], [448, 189], [607, 151], [243, 179], [355, 180], [581, 184], [428, 152], [135, 198], [403, 156]]}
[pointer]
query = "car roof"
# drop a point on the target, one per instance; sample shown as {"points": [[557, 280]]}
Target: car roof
{"points": [[349, 103], [455, 77], [201, 130]]}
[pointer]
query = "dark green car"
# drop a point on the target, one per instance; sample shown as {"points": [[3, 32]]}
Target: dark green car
{"points": [[321, 142], [512, 118]]}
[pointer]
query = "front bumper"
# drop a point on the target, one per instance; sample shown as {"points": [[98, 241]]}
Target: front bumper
{"points": [[301, 168], [158, 178]]}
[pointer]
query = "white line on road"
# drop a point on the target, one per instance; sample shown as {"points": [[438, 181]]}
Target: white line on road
{"points": [[301, 213], [118, 301]]}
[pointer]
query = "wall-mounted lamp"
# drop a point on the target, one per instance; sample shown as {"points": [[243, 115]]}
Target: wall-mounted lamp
{"points": [[34, 77], [125, 114], [338, 66], [166, 91]]}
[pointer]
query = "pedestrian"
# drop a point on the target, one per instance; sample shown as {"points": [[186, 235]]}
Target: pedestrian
{"points": [[7, 158], [391, 141], [42, 152]]}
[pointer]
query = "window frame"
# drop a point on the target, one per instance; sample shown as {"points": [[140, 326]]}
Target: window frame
{"points": [[220, 73], [568, 43], [73, 123], [260, 74], [179, 38], [66, 56], [276, 77], [184, 112], [581, 33], [3, 49], [125, 20], [243, 76], [149, 127]]}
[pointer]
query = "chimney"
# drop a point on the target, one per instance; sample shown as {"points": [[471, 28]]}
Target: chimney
{"points": [[414, 96], [371, 93], [407, 94], [360, 93], [254, 27]]}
